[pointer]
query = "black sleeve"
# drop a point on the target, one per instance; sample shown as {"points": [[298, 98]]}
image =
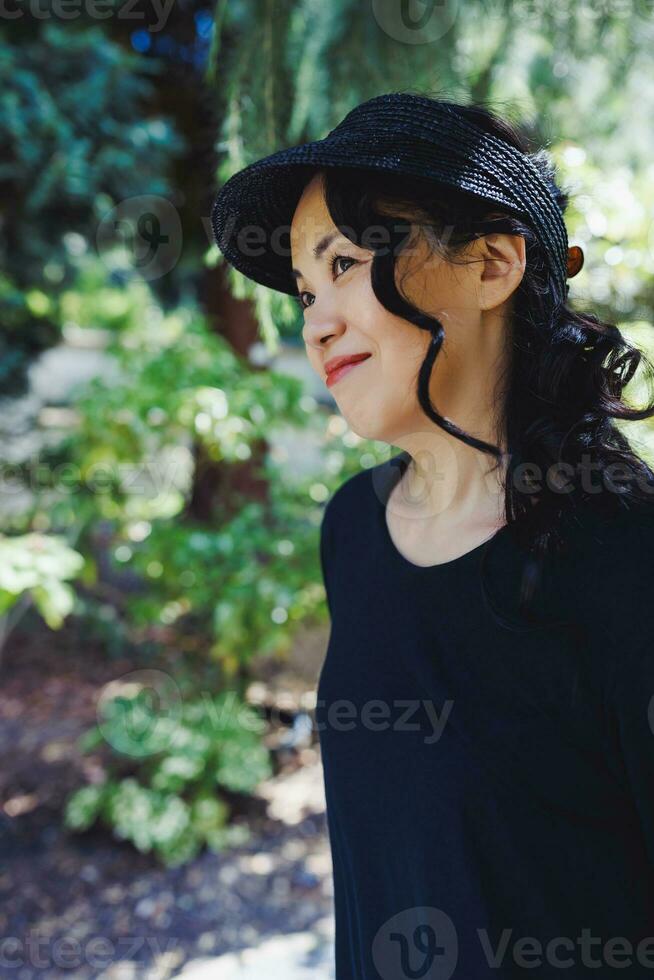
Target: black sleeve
{"points": [[624, 633], [631, 710]]}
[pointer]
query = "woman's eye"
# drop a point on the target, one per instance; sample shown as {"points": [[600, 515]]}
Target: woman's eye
{"points": [[337, 258], [332, 264]]}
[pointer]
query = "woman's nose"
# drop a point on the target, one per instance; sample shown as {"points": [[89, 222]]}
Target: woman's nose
{"points": [[319, 327]]}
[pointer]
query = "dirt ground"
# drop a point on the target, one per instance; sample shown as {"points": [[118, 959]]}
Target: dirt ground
{"points": [[87, 905]]}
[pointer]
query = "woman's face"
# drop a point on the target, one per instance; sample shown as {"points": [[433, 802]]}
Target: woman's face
{"points": [[342, 317]]}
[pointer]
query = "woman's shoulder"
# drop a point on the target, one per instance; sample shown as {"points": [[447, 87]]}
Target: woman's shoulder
{"points": [[623, 538], [605, 576]]}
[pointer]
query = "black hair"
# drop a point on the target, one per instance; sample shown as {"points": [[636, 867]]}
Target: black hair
{"points": [[565, 372]]}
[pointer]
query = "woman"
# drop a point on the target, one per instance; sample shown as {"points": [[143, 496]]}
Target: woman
{"points": [[484, 703]]}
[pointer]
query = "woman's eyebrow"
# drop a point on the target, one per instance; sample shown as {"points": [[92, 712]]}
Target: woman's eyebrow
{"points": [[318, 249]]}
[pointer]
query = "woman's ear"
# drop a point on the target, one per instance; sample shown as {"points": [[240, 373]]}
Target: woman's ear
{"points": [[502, 268]]}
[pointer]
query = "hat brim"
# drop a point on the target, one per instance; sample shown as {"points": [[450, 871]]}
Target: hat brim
{"points": [[252, 213]]}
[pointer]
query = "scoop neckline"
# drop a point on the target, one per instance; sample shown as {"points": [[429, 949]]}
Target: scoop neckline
{"points": [[403, 458]]}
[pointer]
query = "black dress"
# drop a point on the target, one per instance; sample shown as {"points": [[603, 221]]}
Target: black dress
{"points": [[490, 791]]}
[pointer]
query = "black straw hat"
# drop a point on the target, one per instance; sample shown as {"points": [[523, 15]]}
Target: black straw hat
{"points": [[400, 132]]}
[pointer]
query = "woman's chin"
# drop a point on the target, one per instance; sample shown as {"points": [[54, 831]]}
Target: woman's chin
{"points": [[364, 428]]}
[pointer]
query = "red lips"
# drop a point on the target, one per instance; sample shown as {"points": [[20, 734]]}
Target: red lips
{"points": [[335, 363]]}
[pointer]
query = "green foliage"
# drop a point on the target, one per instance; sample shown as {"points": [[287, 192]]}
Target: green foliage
{"points": [[105, 295], [176, 397], [240, 590], [27, 329], [77, 140], [72, 116], [610, 212], [177, 385], [175, 806], [38, 565], [236, 587]]}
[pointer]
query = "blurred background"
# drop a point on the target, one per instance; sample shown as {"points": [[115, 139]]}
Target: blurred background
{"points": [[166, 451]]}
